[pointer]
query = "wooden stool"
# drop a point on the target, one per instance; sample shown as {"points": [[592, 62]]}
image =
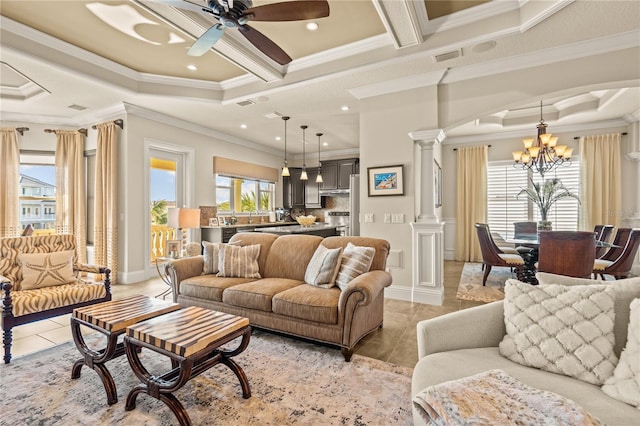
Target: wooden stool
{"points": [[191, 338], [111, 319]]}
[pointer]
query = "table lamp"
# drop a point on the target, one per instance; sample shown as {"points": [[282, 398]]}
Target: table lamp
{"points": [[183, 219]]}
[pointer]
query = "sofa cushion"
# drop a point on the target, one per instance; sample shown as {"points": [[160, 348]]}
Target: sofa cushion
{"points": [[209, 287], [257, 294], [356, 260], [289, 256], [241, 262], [46, 269], [624, 385], [309, 303], [211, 253], [42, 299], [561, 329], [323, 267], [625, 291], [451, 365]]}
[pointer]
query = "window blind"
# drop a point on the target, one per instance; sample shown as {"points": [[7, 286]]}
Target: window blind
{"points": [[505, 181]]}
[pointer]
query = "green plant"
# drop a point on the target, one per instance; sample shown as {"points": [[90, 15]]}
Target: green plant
{"points": [[159, 212], [544, 195]]}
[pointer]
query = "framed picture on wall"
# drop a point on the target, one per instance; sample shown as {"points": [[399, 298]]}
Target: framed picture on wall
{"points": [[388, 180], [437, 182]]}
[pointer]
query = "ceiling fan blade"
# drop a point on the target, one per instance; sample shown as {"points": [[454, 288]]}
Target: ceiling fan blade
{"points": [[289, 11], [180, 4], [206, 40], [264, 44]]}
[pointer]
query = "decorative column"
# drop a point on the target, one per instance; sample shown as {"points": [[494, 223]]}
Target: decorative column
{"points": [[633, 221], [427, 231]]}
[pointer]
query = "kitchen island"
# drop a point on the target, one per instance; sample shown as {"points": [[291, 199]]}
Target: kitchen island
{"points": [[320, 229]]}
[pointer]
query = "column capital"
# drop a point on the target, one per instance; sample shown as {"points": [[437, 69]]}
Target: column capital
{"points": [[428, 138], [633, 156]]}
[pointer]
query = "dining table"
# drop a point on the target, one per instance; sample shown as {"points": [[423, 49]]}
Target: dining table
{"points": [[530, 257]]}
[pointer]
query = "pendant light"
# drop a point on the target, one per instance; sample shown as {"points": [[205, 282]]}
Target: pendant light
{"points": [[304, 176], [285, 169], [319, 177]]}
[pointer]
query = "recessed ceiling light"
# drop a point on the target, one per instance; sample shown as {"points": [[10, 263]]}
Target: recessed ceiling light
{"points": [[312, 26], [243, 126], [278, 138], [345, 108], [192, 67]]}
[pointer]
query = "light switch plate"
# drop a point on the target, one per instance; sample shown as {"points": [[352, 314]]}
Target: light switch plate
{"points": [[387, 218], [368, 217], [397, 218]]}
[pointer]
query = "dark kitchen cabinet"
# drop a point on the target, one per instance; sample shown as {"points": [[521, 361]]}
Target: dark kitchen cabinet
{"points": [[312, 197], [298, 193], [293, 189], [335, 173]]}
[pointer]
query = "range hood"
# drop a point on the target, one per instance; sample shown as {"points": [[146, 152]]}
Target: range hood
{"points": [[334, 192]]}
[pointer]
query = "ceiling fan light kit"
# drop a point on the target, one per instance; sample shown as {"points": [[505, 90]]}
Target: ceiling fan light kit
{"points": [[238, 13]]}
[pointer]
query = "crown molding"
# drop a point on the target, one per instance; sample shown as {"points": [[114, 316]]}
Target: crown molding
{"points": [[522, 133], [567, 52], [191, 127], [392, 86], [467, 16]]}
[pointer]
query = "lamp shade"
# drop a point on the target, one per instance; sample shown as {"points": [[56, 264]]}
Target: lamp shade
{"points": [[183, 218]]}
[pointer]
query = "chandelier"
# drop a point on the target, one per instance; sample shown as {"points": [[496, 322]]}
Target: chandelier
{"points": [[542, 154]]}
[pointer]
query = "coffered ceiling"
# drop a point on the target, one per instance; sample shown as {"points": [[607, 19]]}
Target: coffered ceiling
{"points": [[66, 62]]}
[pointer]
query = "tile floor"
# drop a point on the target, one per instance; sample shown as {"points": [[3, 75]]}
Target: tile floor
{"points": [[395, 342]]}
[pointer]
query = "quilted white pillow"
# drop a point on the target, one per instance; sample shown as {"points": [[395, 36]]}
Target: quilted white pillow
{"points": [[624, 385], [562, 329], [323, 267], [46, 269]]}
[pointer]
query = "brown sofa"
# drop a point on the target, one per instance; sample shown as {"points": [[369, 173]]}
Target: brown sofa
{"points": [[280, 300]]}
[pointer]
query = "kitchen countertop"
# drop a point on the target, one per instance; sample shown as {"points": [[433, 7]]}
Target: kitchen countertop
{"points": [[297, 229], [256, 225]]}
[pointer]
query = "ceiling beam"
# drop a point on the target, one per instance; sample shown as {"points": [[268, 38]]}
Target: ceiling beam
{"points": [[399, 18]]}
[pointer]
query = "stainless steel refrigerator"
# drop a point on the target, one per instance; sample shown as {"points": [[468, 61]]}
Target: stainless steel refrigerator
{"points": [[354, 205]]}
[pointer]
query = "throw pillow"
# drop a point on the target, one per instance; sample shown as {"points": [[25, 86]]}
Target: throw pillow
{"points": [[624, 385], [211, 252], [46, 269], [356, 260], [240, 262], [323, 267], [562, 329]]}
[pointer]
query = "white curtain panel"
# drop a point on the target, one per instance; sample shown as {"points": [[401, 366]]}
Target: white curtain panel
{"points": [[106, 199], [9, 182], [71, 209], [601, 198]]}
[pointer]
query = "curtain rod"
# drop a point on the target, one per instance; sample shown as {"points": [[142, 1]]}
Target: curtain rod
{"points": [[21, 130], [455, 149], [578, 137], [83, 131], [119, 122]]}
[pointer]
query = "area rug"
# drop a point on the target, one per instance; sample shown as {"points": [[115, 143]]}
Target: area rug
{"points": [[471, 288], [292, 382]]}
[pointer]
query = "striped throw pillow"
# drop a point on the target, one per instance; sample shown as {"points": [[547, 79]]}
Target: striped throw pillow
{"points": [[323, 267], [211, 252], [240, 262], [356, 260]]}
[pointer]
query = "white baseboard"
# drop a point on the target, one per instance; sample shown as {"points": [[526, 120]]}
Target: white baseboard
{"points": [[408, 294], [130, 277]]}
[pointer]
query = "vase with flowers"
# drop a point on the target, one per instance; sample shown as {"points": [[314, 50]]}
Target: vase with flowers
{"points": [[544, 195]]}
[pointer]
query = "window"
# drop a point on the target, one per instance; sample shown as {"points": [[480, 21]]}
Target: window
{"points": [[504, 207], [37, 191], [243, 195]]}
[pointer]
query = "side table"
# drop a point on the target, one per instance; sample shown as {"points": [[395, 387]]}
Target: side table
{"points": [[163, 275], [191, 338], [111, 319]]}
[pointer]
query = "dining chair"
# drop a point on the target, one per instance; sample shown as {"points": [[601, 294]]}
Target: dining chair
{"points": [[619, 267], [603, 233], [491, 256], [569, 253], [619, 241]]}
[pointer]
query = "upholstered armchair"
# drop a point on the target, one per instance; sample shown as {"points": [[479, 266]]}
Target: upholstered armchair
{"points": [[619, 267], [40, 278]]}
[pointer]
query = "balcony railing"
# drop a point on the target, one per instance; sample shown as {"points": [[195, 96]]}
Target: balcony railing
{"points": [[160, 234]]}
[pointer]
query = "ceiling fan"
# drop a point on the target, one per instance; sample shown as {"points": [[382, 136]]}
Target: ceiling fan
{"points": [[237, 13]]}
